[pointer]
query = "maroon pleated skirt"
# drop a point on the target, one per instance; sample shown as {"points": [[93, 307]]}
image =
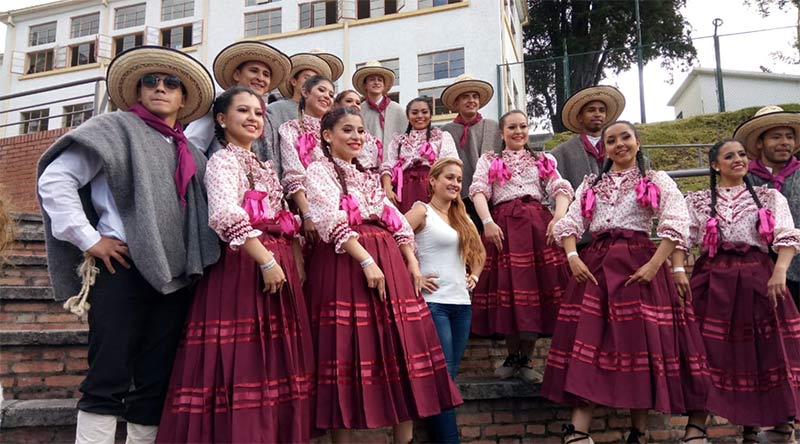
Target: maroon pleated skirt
{"points": [[244, 371], [753, 347], [521, 287], [415, 187], [625, 347], [378, 363]]}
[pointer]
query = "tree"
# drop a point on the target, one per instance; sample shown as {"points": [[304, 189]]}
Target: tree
{"points": [[765, 7], [600, 36]]}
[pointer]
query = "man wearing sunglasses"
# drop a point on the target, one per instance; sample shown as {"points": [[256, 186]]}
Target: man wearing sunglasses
{"points": [[126, 189]]}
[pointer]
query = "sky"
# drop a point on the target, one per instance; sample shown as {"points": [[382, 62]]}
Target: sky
{"points": [[747, 52]]}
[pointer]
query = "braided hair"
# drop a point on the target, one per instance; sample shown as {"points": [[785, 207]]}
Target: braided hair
{"points": [[308, 85], [329, 120], [427, 101], [223, 103], [502, 123], [640, 163], [713, 155]]}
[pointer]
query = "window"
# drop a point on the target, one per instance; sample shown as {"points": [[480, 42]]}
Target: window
{"points": [[177, 37], [129, 41], [376, 8], [393, 64], [317, 14], [436, 95], [441, 65], [262, 23], [82, 54], [256, 2], [74, 115], [432, 3], [395, 96], [41, 34], [34, 121], [129, 16], [175, 9], [85, 25], [40, 61]]}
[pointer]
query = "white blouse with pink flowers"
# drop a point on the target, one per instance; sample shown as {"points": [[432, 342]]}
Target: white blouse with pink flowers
{"points": [[324, 202], [513, 174], [226, 182], [616, 207], [406, 150], [371, 155], [737, 214], [295, 156]]}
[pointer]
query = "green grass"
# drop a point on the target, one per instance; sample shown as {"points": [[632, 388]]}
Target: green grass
{"points": [[705, 129]]}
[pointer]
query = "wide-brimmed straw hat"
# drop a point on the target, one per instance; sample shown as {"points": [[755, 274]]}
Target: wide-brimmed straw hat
{"points": [[610, 96], [232, 57], [766, 118], [125, 71], [335, 63], [466, 83], [370, 68], [301, 62]]}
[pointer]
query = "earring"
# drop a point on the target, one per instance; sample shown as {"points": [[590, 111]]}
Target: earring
{"points": [[716, 169], [222, 125], [327, 141]]}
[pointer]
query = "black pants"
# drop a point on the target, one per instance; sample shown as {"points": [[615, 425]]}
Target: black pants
{"points": [[794, 289], [133, 336]]}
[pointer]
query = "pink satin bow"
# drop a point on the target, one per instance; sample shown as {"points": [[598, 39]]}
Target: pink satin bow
{"points": [[711, 238], [498, 171], [350, 206], [397, 178], [305, 145], [647, 193], [426, 151], [379, 144], [766, 225], [588, 202], [389, 217], [256, 206], [288, 223], [546, 167]]}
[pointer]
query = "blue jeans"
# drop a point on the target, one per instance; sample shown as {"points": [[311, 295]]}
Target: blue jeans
{"points": [[452, 324]]}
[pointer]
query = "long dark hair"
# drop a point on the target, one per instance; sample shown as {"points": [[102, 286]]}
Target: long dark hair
{"points": [[221, 105], [713, 154], [308, 85], [329, 120], [427, 101], [608, 162], [502, 124]]}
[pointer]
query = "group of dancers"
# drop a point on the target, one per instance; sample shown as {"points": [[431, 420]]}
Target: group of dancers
{"points": [[273, 272]]}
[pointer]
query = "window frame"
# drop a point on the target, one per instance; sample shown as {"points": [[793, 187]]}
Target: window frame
{"points": [[27, 120], [94, 25], [422, 74], [436, 101], [135, 16], [69, 114], [30, 63], [312, 18], [360, 14], [187, 31], [74, 53], [31, 31], [384, 63], [257, 29], [169, 9], [423, 3], [116, 47]]}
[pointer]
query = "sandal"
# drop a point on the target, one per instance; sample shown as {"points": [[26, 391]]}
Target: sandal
{"points": [[750, 435], [634, 435], [568, 430], [782, 433], [703, 438], [527, 372]]}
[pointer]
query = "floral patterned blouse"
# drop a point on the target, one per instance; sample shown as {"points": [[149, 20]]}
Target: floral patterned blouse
{"points": [[294, 164], [406, 150], [524, 177]]}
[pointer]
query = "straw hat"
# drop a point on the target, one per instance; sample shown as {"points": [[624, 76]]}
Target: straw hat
{"points": [[334, 62], [128, 67], [302, 62], [466, 83], [370, 68], [766, 118], [612, 97], [230, 58]]}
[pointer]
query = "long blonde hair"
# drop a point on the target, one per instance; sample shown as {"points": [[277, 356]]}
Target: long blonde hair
{"points": [[469, 241]]}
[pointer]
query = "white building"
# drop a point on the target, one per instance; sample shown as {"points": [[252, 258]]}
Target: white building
{"points": [[426, 42], [698, 93]]}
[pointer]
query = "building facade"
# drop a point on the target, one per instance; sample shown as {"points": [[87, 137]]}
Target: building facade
{"points": [[426, 42]]}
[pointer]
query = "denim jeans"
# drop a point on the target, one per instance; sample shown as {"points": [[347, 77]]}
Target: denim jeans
{"points": [[452, 324]]}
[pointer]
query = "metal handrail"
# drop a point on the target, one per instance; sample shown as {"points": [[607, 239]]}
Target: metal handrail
{"points": [[51, 88]]}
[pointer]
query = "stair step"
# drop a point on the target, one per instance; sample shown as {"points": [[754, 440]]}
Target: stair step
{"points": [[38, 413], [45, 337], [17, 293], [27, 260]]}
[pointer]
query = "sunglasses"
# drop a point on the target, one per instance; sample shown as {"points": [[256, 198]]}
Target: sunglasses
{"points": [[151, 81]]}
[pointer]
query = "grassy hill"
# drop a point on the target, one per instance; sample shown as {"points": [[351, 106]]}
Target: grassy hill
{"points": [[704, 129]]}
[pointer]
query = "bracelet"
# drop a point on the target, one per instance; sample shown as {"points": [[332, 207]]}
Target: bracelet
{"points": [[367, 262], [306, 216], [487, 220], [571, 254], [269, 265], [474, 278], [679, 270]]}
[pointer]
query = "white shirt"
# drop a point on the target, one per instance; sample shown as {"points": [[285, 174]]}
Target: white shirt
{"points": [[437, 251], [593, 139], [201, 132]]}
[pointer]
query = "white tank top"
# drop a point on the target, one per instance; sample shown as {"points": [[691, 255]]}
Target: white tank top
{"points": [[437, 250]]}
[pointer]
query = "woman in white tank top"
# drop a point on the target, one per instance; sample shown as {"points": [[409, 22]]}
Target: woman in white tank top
{"points": [[451, 257]]}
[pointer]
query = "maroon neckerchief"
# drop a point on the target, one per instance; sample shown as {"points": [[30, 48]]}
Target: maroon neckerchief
{"points": [[478, 117], [380, 108], [757, 168], [599, 152], [185, 165]]}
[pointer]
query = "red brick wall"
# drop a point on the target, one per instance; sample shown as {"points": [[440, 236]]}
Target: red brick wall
{"points": [[18, 157]]}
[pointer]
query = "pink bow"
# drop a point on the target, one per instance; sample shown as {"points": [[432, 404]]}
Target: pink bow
{"points": [[426, 151], [588, 202], [766, 225], [546, 167], [305, 145], [397, 178], [256, 206], [379, 144], [711, 238], [350, 206], [647, 193], [389, 217], [288, 223], [498, 171]]}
